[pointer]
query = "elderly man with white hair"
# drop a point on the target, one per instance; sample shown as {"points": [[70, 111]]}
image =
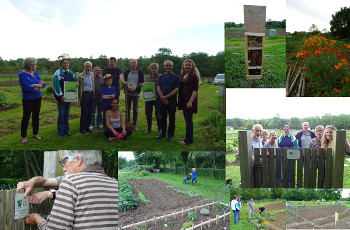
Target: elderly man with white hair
{"points": [[304, 137], [87, 197], [256, 138], [86, 97]]}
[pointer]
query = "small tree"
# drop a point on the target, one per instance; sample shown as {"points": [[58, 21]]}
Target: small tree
{"points": [[340, 23]]}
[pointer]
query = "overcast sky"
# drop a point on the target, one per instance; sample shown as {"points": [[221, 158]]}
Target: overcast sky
{"points": [[302, 14], [128, 155], [265, 103]]}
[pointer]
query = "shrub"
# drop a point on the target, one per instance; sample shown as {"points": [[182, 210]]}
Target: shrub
{"points": [[3, 99], [127, 200], [187, 225], [273, 218], [169, 224], [204, 211], [144, 173], [192, 216]]}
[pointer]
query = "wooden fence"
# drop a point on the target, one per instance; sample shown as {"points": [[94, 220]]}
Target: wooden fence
{"points": [[7, 210], [316, 168]]}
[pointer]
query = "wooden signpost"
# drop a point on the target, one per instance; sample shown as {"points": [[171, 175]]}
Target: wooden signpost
{"points": [[254, 25]]}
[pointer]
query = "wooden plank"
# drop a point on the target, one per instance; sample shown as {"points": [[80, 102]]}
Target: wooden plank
{"points": [[262, 55], [328, 168], [278, 167], [245, 155], [254, 67], [255, 48], [307, 168], [271, 169], [257, 169], [321, 167], [10, 209], [253, 77], [51, 164], [3, 197], [246, 55], [338, 158], [292, 173], [254, 18], [300, 163], [19, 224], [285, 168], [264, 182], [313, 168], [254, 34]]}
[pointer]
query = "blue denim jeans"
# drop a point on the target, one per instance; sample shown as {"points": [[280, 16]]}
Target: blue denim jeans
{"points": [[62, 120], [135, 101], [96, 106], [189, 122], [251, 211], [235, 216]]}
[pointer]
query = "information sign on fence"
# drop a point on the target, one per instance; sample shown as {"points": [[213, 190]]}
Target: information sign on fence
{"points": [[293, 154], [21, 206]]}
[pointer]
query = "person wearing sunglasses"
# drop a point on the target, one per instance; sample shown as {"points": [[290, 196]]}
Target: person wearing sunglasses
{"points": [[84, 190]]}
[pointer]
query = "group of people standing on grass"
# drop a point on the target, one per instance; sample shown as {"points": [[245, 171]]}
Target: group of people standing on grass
{"points": [[236, 206], [99, 95], [321, 138]]}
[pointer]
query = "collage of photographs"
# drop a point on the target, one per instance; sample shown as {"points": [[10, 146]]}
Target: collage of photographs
{"points": [[187, 115]]}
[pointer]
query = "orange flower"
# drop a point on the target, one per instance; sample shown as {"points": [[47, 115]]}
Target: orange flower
{"points": [[344, 61], [317, 53], [338, 66], [347, 79], [342, 81], [337, 90]]}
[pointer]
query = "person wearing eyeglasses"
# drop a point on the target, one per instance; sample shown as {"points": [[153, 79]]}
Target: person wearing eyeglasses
{"points": [[82, 192], [316, 142]]}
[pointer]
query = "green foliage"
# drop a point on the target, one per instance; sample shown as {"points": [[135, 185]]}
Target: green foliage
{"points": [[217, 214], [215, 127], [204, 211], [49, 90], [313, 194], [340, 23], [169, 224], [273, 218], [126, 200], [143, 198], [187, 225], [188, 193], [144, 173], [3, 99], [122, 162], [192, 216]]}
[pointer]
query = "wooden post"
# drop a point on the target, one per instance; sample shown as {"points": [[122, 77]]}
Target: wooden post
{"points": [[52, 168], [328, 171], [145, 222], [264, 181], [257, 170], [335, 218], [321, 168], [338, 158], [201, 225], [195, 208], [165, 217], [154, 220], [245, 156], [133, 227], [216, 219], [292, 173], [174, 215], [300, 162], [224, 216], [182, 212], [285, 168], [271, 169], [313, 168], [278, 167], [307, 171]]}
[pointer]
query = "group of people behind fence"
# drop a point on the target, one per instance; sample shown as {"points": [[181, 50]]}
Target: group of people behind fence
{"points": [[236, 207], [322, 137], [99, 94]]}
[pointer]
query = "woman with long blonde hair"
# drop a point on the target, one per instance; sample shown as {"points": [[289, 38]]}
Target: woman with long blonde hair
{"points": [[327, 139]]}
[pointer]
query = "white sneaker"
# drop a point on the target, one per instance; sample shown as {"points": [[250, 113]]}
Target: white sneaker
{"points": [[91, 127], [100, 126]]}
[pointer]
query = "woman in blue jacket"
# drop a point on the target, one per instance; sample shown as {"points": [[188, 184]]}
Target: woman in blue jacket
{"points": [[31, 84]]}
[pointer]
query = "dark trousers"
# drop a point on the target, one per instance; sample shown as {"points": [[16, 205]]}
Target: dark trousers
{"points": [[189, 122], [96, 106], [149, 108], [86, 104], [109, 132], [170, 109], [30, 107], [135, 111], [63, 115]]}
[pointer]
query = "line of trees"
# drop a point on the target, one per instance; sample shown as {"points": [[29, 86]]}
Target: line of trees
{"points": [[313, 194], [270, 24], [341, 121], [208, 65], [259, 193]]}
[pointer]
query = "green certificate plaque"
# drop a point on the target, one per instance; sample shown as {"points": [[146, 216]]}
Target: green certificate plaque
{"points": [[293, 154], [70, 91], [21, 206], [148, 91]]}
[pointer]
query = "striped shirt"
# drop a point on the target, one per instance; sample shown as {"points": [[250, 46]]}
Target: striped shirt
{"points": [[86, 200]]}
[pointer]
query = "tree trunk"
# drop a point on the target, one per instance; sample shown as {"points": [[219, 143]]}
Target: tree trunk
{"points": [[26, 161]]}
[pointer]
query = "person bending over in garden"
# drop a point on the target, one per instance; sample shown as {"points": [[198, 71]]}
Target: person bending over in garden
{"points": [[108, 93], [262, 209], [251, 205], [115, 126], [304, 137], [59, 77], [153, 77], [188, 96], [327, 139], [264, 136], [235, 208], [31, 84], [194, 176], [86, 189], [316, 142]]}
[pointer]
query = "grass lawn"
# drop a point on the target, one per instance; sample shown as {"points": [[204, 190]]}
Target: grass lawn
{"points": [[10, 127], [244, 223], [274, 75], [234, 173], [207, 187]]}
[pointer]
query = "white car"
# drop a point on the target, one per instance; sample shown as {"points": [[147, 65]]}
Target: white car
{"points": [[219, 79]]}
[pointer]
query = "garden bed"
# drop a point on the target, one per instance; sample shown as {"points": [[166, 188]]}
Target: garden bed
{"points": [[163, 201], [9, 107]]}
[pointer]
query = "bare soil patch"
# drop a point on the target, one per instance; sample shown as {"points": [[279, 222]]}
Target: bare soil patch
{"points": [[9, 107], [164, 201]]}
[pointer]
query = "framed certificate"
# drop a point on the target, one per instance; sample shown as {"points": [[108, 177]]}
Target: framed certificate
{"points": [[21, 206], [71, 91], [148, 91]]}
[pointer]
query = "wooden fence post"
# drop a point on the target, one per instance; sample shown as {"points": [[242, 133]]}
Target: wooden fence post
{"points": [[328, 171], [245, 156], [52, 167], [338, 158]]}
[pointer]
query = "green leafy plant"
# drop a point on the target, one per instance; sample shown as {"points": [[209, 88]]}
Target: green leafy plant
{"points": [[126, 200], [204, 211], [49, 89], [187, 225], [217, 214], [169, 224], [218, 206], [192, 216], [143, 198], [273, 218], [264, 225], [188, 193], [144, 173], [3, 99]]}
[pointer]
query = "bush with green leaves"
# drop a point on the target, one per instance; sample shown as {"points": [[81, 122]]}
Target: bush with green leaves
{"points": [[192, 216], [143, 198], [3, 99], [169, 224], [187, 225], [144, 173], [204, 211], [126, 200]]}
